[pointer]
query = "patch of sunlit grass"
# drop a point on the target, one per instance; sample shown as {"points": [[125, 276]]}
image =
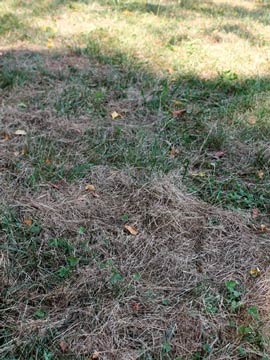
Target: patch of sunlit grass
{"points": [[180, 37]]}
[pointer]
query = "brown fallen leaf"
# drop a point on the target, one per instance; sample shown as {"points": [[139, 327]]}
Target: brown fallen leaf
{"points": [[127, 13], [200, 174], [24, 151], [115, 115], [95, 355], [90, 187], [48, 161], [252, 120], [219, 154], [260, 174], [28, 222], [255, 272], [173, 152], [50, 43], [255, 213], [132, 230], [20, 132], [63, 346], [6, 136], [179, 113], [136, 307]]}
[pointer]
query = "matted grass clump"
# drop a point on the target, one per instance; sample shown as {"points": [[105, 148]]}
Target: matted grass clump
{"points": [[76, 281]]}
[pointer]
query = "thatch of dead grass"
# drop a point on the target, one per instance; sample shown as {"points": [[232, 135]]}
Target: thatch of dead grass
{"points": [[127, 296]]}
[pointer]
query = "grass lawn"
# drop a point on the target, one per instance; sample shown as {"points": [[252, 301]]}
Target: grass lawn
{"points": [[134, 179]]}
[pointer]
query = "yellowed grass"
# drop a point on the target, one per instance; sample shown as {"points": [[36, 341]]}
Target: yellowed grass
{"points": [[205, 48]]}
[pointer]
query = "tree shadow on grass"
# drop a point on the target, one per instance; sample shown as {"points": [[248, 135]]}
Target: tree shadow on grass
{"points": [[217, 118], [62, 147], [171, 8], [243, 33], [208, 8]]}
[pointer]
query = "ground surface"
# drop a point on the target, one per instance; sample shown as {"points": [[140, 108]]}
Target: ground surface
{"points": [[134, 179]]}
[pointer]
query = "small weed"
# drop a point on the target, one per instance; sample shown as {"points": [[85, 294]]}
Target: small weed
{"points": [[81, 230], [40, 314], [166, 347], [234, 295], [62, 244], [64, 271], [124, 218], [254, 312]]}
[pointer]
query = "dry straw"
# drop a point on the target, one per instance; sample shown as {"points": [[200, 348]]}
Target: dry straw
{"points": [[131, 294]]}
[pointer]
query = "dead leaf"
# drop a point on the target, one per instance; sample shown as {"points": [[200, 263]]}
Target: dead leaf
{"points": [[90, 187], [173, 152], [115, 115], [260, 174], [6, 136], [136, 307], [219, 154], [201, 174], [50, 43], [95, 355], [264, 228], [255, 213], [24, 151], [63, 346], [28, 222], [48, 161], [179, 113], [255, 272], [177, 103], [252, 120], [132, 230], [20, 132], [127, 13]]}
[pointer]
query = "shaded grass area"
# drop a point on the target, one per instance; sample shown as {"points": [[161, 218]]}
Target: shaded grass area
{"points": [[226, 8], [209, 129], [222, 114]]}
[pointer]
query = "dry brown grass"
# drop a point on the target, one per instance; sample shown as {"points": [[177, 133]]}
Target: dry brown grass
{"points": [[183, 246], [128, 296]]}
